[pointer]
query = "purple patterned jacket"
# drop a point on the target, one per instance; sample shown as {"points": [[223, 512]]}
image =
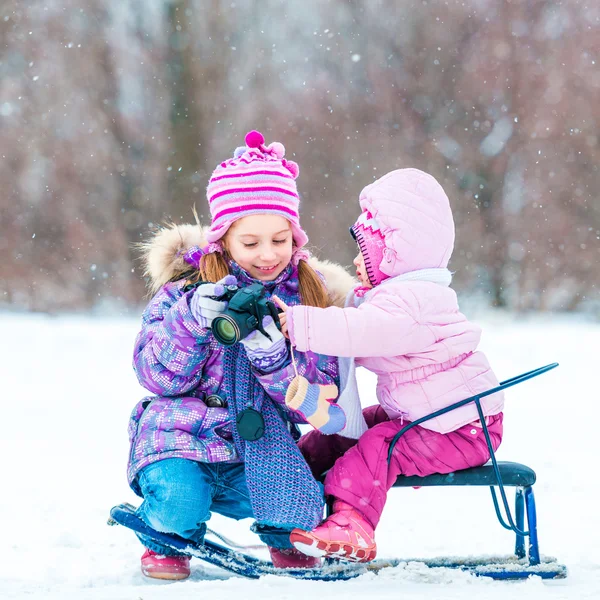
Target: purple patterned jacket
{"points": [[181, 363]]}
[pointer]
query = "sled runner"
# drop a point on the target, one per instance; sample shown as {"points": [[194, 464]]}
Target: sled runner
{"points": [[238, 562], [525, 561]]}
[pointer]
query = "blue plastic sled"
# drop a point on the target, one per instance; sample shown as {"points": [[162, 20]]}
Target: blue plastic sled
{"points": [[525, 561]]}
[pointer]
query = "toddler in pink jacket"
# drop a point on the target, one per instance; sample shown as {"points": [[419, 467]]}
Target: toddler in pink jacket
{"points": [[403, 323]]}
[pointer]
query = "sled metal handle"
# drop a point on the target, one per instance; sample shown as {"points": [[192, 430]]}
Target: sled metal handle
{"points": [[503, 385], [476, 399]]}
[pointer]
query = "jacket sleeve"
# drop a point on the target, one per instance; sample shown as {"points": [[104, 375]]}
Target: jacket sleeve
{"points": [[171, 348], [317, 368], [386, 325]]}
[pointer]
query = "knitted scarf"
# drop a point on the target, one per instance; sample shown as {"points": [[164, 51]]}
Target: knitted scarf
{"points": [[283, 492]]}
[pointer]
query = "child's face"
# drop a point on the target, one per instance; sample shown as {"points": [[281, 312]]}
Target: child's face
{"points": [[260, 244], [361, 272]]}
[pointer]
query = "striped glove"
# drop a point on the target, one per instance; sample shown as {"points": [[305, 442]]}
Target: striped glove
{"points": [[314, 402]]}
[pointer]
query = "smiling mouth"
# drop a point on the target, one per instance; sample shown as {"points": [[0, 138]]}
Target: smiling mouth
{"points": [[267, 269]]}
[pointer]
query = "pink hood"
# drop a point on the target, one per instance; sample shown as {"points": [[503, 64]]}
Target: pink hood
{"points": [[408, 330], [414, 215]]}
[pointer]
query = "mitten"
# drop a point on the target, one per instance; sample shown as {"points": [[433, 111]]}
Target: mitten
{"points": [[313, 402], [267, 355], [204, 304]]}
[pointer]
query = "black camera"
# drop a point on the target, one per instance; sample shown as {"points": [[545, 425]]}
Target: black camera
{"points": [[245, 313]]}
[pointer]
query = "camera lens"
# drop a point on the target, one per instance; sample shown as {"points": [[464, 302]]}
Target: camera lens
{"points": [[225, 330]]}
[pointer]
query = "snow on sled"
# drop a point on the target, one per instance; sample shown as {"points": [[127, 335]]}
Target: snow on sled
{"points": [[525, 562]]}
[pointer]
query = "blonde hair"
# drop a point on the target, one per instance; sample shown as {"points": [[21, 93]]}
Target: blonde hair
{"points": [[214, 267]]}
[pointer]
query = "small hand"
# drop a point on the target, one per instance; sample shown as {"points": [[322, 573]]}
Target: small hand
{"points": [[204, 304], [282, 315]]}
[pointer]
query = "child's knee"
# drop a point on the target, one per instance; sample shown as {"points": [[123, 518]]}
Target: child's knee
{"points": [[374, 415], [311, 443], [173, 512], [175, 500]]}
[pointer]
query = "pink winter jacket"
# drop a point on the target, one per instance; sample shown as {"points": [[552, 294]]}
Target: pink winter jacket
{"points": [[409, 332]]}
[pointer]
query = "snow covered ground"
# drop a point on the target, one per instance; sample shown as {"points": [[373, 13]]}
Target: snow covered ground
{"points": [[69, 388]]}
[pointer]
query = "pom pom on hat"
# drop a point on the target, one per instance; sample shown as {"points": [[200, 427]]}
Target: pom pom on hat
{"points": [[254, 139], [292, 167], [277, 148]]}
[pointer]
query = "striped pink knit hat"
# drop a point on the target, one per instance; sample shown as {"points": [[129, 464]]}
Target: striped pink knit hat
{"points": [[256, 180]]}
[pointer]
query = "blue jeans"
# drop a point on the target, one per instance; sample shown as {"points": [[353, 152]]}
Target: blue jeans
{"points": [[179, 495]]}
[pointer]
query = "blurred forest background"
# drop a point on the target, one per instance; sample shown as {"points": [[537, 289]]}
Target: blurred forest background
{"points": [[113, 113]]}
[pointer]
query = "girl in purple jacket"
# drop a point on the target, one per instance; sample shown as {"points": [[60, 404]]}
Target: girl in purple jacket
{"points": [[187, 455], [403, 324]]}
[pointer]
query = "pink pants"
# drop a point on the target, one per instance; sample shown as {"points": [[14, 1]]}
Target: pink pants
{"points": [[361, 475]]}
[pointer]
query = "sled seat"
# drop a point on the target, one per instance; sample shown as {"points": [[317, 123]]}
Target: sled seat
{"points": [[513, 474], [495, 474]]}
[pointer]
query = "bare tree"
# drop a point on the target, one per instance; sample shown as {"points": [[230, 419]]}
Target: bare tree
{"points": [[113, 115]]}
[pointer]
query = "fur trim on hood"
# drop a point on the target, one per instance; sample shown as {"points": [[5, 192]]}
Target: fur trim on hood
{"points": [[162, 257]]}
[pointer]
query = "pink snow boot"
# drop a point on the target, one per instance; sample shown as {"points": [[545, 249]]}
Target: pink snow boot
{"points": [[290, 558], [160, 566], [345, 534]]}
